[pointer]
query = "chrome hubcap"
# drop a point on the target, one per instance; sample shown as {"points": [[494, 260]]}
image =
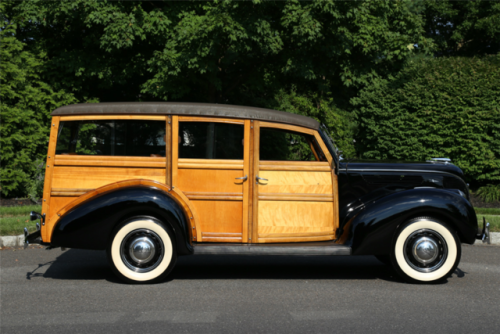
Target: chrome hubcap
{"points": [[425, 250], [142, 250]]}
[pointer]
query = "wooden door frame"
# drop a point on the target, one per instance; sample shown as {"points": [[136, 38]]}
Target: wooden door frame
{"points": [[257, 125], [230, 164]]}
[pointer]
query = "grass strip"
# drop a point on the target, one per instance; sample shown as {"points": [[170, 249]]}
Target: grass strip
{"points": [[493, 220], [16, 225], [487, 211], [12, 211]]}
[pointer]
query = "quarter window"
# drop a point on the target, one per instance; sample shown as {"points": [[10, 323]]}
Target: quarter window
{"points": [[112, 137], [282, 145], [210, 140]]}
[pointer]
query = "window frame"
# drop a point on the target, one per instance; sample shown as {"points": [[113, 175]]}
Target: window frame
{"points": [[298, 129], [175, 137]]}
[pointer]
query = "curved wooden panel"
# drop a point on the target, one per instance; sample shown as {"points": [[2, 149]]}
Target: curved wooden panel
{"points": [[191, 215]]}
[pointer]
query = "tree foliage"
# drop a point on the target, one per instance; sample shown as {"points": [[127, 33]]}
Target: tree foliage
{"points": [[441, 107], [26, 104], [463, 28], [212, 51], [306, 57]]}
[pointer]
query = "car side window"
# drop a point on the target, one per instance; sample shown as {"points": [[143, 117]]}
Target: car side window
{"points": [[210, 140], [284, 145], [112, 137]]}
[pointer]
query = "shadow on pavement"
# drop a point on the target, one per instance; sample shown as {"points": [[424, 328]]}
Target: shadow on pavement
{"points": [[75, 264]]}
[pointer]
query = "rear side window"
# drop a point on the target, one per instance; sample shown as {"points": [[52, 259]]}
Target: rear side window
{"points": [[282, 145], [112, 137], [210, 140]]}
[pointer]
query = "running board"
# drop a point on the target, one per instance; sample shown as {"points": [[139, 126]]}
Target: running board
{"points": [[301, 249]]}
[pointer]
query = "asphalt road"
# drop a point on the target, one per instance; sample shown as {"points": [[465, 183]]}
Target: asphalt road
{"points": [[74, 291]]}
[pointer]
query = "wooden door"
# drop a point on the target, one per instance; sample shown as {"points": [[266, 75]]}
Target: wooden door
{"points": [[293, 185], [210, 165]]}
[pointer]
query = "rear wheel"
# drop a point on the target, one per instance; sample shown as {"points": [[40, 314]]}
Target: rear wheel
{"points": [[142, 251], [426, 250]]}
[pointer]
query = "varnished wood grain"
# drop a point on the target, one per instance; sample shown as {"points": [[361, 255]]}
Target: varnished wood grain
{"points": [[68, 192], [298, 234], [209, 164], [219, 216], [109, 161], [221, 237], [255, 184], [296, 197], [175, 149], [296, 204], [68, 203], [296, 182], [95, 177], [210, 180], [296, 239], [286, 127], [168, 151], [246, 184], [215, 196], [49, 168], [295, 217], [335, 186], [56, 204], [303, 166], [325, 150]]}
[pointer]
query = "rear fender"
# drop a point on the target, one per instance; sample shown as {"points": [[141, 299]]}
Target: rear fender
{"points": [[372, 230], [90, 224]]}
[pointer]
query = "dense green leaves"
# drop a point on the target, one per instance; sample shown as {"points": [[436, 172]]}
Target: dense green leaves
{"points": [[306, 57], [442, 107], [26, 104], [464, 28], [211, 51]]}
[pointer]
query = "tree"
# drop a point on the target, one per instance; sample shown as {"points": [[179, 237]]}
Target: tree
{"points": [[26, 103], [464, 28], [219, 51], [437, 107]]}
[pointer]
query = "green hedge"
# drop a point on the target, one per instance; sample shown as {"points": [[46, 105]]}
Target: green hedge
{"points": [[440, 107]]}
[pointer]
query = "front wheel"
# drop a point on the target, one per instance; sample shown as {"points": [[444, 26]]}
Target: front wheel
{"points": [[142, 251], [426, 250]]}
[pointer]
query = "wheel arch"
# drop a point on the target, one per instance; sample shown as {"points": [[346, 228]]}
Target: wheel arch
{"points": [[89, 221], [372, 231]]}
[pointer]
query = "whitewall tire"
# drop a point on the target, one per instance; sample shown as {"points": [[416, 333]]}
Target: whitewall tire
{"points": [[142, 250], [426, 250]]}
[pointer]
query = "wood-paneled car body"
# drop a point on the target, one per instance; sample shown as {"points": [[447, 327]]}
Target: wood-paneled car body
{"points": [[152, 181]]}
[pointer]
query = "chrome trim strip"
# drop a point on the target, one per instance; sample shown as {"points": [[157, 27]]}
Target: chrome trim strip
{"points": [[399, 170]]}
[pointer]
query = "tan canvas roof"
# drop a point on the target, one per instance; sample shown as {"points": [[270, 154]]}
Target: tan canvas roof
{"points": [[179, 108]]}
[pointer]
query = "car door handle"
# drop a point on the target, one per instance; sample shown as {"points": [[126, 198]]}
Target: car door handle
{"points": [[257, 178], [244, 178]]}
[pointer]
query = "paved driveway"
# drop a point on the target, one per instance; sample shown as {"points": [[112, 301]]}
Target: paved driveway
{"points": [[74, 291]]}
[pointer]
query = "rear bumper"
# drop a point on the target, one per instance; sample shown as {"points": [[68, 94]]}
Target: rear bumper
{"points": [[485, 234]]}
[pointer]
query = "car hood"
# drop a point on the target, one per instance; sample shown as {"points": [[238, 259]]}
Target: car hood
{"points": [[391, 165]]}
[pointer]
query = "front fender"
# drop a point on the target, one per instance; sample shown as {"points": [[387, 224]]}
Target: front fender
{"points": [[372, 230], [90, 224]]}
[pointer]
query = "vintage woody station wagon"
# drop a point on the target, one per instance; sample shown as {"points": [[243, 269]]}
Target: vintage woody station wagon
{"points": [[152, 181]]}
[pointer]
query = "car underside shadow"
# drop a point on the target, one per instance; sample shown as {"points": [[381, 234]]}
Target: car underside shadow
{"points": [[75, 264]]}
